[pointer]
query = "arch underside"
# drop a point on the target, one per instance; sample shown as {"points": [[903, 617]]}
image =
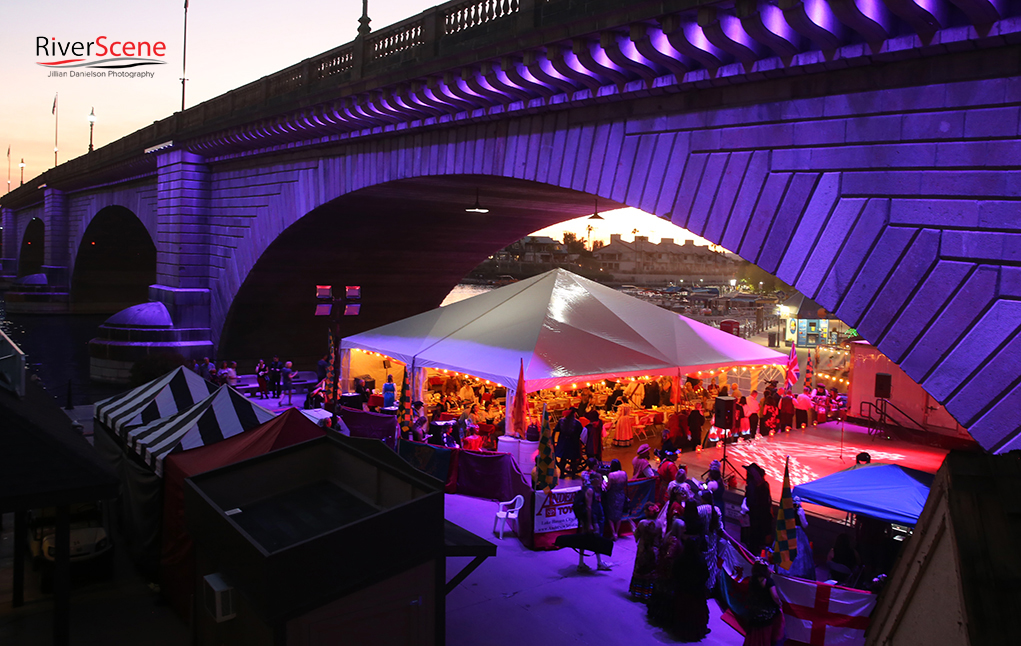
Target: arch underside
{"points": [[406, 243], [32, 255], [115, 263]]}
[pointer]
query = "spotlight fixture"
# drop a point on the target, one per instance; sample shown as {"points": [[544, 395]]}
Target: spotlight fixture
{"points": [[596, 216], [476, 208]]}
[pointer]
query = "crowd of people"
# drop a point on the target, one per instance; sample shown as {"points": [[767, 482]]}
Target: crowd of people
{"points": [[274, 379]]}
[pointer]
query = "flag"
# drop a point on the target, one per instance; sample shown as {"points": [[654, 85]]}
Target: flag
{"points": [[785, 547], [792, 367], [405, 416], [809, 371], [330, 367], [815, 613], [54, 110], [546, 475], [823, 615], [518, 405]]}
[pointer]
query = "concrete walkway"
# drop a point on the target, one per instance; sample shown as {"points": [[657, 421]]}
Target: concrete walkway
{"points": [[521, 596]]}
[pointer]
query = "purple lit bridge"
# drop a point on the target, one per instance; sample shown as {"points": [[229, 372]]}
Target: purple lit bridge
{"points": [[864, 151]]}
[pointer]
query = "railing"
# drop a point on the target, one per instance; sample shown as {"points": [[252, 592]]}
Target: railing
{"points": [[388, 43], [475, 13], [12, 366], [881, 421], [334, 62]]}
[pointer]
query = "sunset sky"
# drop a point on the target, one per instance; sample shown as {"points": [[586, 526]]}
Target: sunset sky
{"points": [[230, 43]]}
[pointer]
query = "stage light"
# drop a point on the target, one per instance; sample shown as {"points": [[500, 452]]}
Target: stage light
{"points": [[322, 309], [353, 291], [353, 309]]}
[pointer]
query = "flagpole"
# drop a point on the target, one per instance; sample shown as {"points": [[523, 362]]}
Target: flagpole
{"points": [[56, 120], [184, 54], [8, 169]]}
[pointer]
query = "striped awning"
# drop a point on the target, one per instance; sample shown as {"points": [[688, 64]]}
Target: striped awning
{"points": [[223, 414], [173, 392]]}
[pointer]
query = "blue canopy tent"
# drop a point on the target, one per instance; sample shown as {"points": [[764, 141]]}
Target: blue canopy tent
{"points": [[886, 492]]}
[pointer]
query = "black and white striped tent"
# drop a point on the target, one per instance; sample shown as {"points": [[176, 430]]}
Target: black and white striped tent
{"points": [[175, 391], [223, 414]]}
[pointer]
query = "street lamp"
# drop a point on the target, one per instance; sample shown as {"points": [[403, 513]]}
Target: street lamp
{"points": [[347, 304], [22, 167], [92, 124]]}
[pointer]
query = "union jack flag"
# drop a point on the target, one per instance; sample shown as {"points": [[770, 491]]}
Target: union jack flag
{"points": [[793, 373]]}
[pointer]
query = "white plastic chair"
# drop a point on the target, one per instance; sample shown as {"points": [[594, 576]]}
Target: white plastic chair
{"points": [[507, 511]]}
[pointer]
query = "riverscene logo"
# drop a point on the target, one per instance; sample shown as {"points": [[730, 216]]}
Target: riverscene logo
{"points": [[103, 53]]}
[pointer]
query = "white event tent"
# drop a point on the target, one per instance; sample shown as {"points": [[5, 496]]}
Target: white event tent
{"points": [[565, 328]]}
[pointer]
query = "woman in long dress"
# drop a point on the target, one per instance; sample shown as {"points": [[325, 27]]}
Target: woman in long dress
{"points": [[389, 392], [648, 539]]}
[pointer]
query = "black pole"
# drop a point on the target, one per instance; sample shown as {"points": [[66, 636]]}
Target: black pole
{"points": [[70, 405]]}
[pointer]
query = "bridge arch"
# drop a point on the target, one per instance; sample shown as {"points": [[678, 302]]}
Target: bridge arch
{"points": [[114, 264], [871, 215], [32, 255]]}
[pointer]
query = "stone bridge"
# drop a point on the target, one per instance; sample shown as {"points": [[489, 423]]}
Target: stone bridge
{"points": [[866, 152]]}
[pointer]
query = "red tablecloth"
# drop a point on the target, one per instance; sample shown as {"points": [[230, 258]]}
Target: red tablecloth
{"points": [[375, 400], [446, 417]]}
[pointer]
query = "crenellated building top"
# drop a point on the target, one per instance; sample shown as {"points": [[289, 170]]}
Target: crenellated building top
{"points": [[488, 59]]}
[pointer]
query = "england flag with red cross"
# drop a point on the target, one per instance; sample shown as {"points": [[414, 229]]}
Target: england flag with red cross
{"points": [[824, 615], [815, 614]]}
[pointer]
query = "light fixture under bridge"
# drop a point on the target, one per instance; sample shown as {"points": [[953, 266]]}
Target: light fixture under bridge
{"points": [[476, 208]]}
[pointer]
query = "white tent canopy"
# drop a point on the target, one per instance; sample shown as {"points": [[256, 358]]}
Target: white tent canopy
{"points": [[566, 329]]}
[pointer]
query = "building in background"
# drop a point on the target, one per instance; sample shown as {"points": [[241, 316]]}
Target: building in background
{"points": [[645, 263]]}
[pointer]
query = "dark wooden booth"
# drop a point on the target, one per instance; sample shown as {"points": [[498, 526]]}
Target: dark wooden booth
{"points": [[336, 540]]}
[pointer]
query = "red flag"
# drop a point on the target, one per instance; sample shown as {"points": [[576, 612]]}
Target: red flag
{"points": [[54, 110], [518, 405], [793, 373]]}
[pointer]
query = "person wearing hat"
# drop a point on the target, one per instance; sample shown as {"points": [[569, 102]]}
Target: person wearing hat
{"points": [[665, 475], [640, 467]]}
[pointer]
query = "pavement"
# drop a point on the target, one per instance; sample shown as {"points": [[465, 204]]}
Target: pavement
{"points": [[523, 596], [517, 595]]}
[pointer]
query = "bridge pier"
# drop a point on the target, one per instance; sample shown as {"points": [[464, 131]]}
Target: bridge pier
{"points": [[53, 297], [177, 317]]}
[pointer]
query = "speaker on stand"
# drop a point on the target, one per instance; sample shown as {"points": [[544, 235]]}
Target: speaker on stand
{"points": [[723, 418], [883, 390]]}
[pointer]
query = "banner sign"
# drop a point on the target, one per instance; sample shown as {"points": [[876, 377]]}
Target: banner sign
{"points": [[553, 510]]}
